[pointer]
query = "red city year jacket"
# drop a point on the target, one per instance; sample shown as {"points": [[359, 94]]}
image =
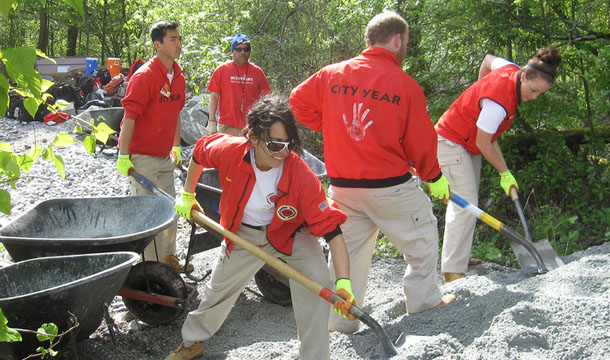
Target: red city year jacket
{"points": [[155, 107], [459, 123], [301, 200], [373, 116]]}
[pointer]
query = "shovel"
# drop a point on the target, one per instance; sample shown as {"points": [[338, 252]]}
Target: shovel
{"points": [[325, 293], [539, 255], [546, 251]]}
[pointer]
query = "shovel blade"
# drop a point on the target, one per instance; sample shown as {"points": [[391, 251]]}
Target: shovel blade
{"points": [[527, 261]]}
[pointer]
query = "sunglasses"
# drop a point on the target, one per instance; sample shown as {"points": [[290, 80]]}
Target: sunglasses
{"points": [[277, 146], [246, 49]]}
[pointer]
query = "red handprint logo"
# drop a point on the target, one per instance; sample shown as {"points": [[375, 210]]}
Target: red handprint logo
{"points": [[357, 127]]}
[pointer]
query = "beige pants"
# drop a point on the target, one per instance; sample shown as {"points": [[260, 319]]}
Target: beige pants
{"points": [[226, 129], [404, 214], [463, 171], [231, 274], [159, 170]]}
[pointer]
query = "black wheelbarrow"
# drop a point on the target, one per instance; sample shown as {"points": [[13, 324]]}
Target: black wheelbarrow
{"points": [[41, 290], [153, 292], [272, 284]]}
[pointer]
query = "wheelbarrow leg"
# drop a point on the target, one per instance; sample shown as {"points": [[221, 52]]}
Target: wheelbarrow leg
{"points": [[110, 324]]}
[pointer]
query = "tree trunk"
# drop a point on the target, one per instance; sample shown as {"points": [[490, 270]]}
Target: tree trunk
{"points": [[72, 40], [43, 33]]}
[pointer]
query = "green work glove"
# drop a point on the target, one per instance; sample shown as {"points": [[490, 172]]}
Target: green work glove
{"points": [[124, 164], [440, 189], [177, 154], [185, 204], [344, 289], [507, 180]]}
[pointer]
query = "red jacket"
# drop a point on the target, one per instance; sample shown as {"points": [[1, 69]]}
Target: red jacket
{"points": [[155, 106], [232, 82], [458, 123], [373, 116], [300, 202]]}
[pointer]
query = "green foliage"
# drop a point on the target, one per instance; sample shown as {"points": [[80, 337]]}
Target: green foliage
{"points": [[385, 249], [6, 333]]}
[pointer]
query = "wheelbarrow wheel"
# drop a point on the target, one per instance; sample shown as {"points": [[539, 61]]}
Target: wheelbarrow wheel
{"points": [[90, 349], [273, 289], [162, 280]]}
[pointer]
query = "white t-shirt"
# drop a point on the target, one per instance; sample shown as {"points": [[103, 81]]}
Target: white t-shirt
{"points": [[492, 113], [260, 208]]}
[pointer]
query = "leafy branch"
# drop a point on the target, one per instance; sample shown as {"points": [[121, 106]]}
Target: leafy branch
{"points": [[46, 332]]}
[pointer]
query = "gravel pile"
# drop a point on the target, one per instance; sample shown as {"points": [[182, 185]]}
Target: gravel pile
{"points": [[500, 313]]}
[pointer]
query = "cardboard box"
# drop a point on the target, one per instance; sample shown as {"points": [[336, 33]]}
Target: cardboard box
{"points": [[63, 65]]}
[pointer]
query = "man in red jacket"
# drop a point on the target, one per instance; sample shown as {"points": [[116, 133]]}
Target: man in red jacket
{"points": [[376, 130], [150, 129], [235, 86]]}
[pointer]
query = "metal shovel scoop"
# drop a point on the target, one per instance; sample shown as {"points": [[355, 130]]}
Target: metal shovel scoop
{"points": [[538, 255], [524, 256]]}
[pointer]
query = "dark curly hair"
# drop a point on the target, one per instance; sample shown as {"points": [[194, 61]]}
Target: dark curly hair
{"points": [[268, 110], [544, 64]]}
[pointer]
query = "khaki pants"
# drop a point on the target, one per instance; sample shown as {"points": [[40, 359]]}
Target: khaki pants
{"points": [[463, 171], [226, 129], [404, 214], [231, 274], [159, 170]]}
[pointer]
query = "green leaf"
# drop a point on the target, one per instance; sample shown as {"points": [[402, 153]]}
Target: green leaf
{"points": [[77, 5], [31, 105], [26, 162], [20, 65], [35, 152], [4, 98], [4, 146], [89, 143], [63, 139], [6, 333], [48, 153], [6, 6], [59, 166], [49, 329], [5, 207]]}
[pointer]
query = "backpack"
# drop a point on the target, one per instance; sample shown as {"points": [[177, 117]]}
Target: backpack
{"points": [[85, 83], [68, 93], [15, 105], [104, 75], [112, 86]]}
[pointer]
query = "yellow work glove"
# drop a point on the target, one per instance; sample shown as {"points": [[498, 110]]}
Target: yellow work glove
{"points": [[177, 154], [124, 164], [440, 189], [507, 180], [185, 204], [344, 289]]}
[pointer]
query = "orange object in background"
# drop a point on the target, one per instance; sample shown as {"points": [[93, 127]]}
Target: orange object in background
{"points": [[114, 66]]}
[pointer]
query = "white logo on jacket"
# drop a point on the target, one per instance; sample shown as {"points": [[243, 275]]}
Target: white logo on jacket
{"points": [[357, 127]]}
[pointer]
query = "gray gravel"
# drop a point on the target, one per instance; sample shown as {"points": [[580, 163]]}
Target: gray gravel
{"points": [[500, 313]]}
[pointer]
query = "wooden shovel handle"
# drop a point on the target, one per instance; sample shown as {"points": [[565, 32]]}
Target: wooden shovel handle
{"points": [[513, 193]]}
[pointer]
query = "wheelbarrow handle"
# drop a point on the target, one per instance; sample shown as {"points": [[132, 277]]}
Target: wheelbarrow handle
{"points": [[287, 270], [502, 228]]}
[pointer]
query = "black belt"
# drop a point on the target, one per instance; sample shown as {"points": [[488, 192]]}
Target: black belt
{"points": [[255, 227]]}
